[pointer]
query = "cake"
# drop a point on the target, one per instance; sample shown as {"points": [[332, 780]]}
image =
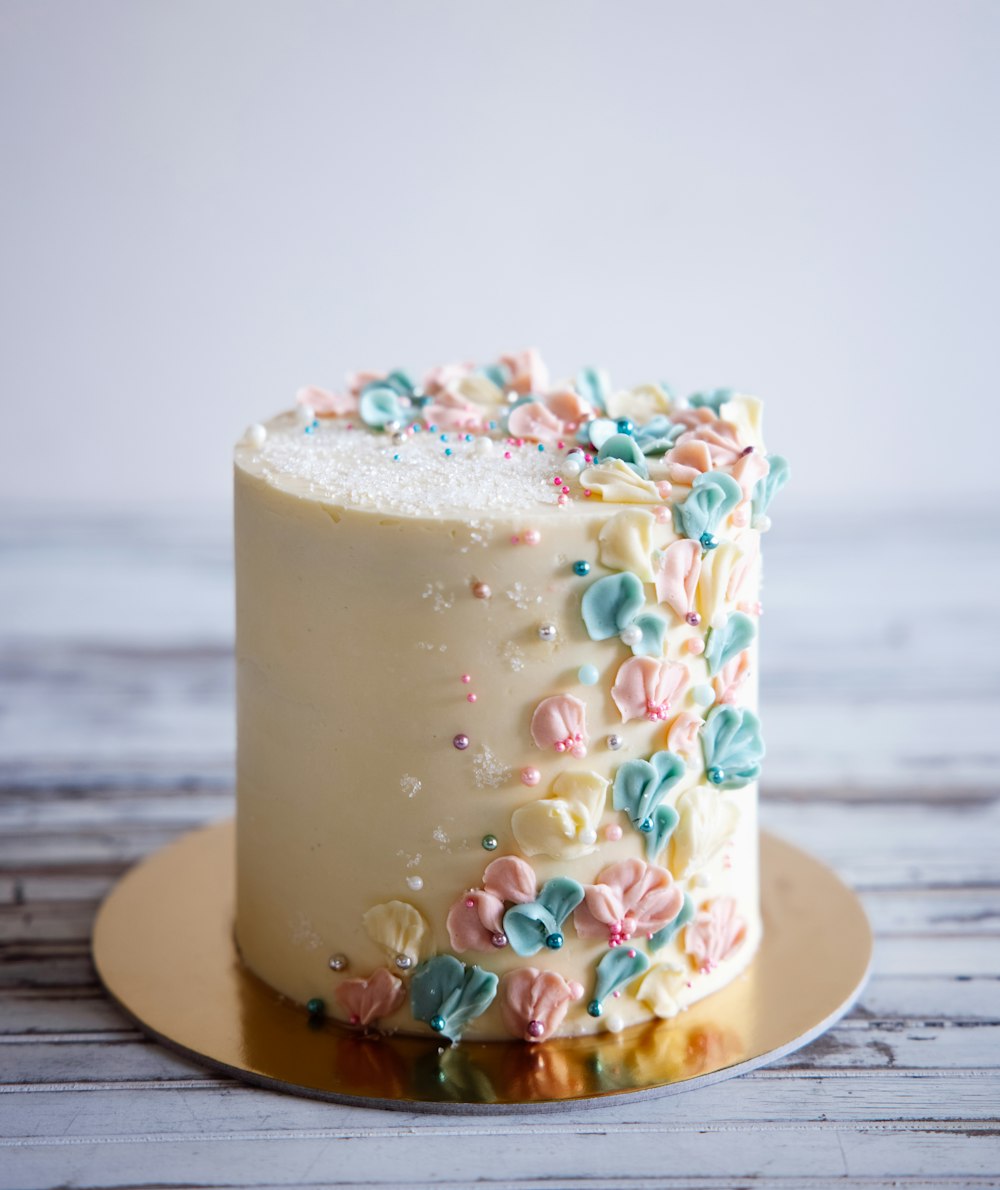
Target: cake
{"points": [[496, 666]]}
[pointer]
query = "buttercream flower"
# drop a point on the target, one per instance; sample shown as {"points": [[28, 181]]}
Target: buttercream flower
{"points": [[714, 934], [645, 687], [626, 542], [326, 404], [451, 411], [564, 824], [398, 929], [641, 404], [676, 578], [475, 920], [560, 722], [724, 575], [682, 737], [445, 376], [707, 823], [687, 460], [729, 680], [616, 482], [723, 443], [630, 897], [662, 991], [371, 999], [536, 421], [526, 372], [533, 1003], [569, 407]]}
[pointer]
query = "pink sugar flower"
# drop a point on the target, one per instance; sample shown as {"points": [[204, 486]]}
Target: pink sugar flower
{"points": [[527, 373], [569, 407], [475, 920], [451, 411], [533, 420], [356, 381], [686, 461], [629, 897], [677, 578], [693, 417], [368, 1000], [645, 687], [714, 933], [445, 377], [511, 879], [560, 722], [533, 1003], [326, 404]]}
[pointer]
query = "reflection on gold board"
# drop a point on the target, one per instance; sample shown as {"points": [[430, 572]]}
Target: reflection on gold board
{"points": [[163, 946]]}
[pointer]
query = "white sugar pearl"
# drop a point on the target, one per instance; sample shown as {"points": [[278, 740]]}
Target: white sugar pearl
{"points": [[588, 836], [761, 523], [631, 635], [256, 435], [614, 1023], [572, 466], [415, 882], [484, 446], [306, 414]]}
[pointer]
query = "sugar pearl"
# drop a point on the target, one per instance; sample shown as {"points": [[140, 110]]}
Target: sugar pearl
{"points": [[461, 742], [256, 434], [415, 882], [613, 832], [484, 446], [530, 776], [631, 635], [404, 962], [588, 837], [615, 741], [547, 632], [306, 414], [531, 537], [535, 1029], [614, 1023], [481, 590], [696, 645], [338, 962]]}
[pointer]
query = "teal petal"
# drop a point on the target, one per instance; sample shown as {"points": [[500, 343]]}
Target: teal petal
{"points": [[497, 373], [616, 969], [447, 990], [624, 447], [528, 927], [560, 896], [401, 382], [594, 386], [379, 404], [611, 603], [662, 937], [653, 629], [663, 819], [657, 436], [770, 485], [641, 785], [713, 497], [729, 641], [712, 399], [733, 747], [600, 430]]}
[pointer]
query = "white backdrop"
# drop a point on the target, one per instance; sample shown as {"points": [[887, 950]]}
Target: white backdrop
{"points": [[206, 204]]}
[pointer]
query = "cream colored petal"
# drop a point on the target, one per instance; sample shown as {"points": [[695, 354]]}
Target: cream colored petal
{"points": [[397, 928], [563, 827], [745, 415], [720, 569], [584, 787], [708, 821], [480, 389], [616, 482], [626, 543], [640, 404], [662, 991]]}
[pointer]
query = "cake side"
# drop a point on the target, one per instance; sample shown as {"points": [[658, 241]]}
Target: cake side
{"points": [[417, 817]]}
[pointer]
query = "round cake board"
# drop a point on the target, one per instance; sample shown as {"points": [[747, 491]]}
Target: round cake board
{"points": [[163, 946]]}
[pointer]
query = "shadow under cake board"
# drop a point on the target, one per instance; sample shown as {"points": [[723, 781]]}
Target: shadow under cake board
{"points": [[164, 949]]}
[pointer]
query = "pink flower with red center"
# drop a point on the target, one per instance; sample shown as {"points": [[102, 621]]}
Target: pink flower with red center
{"points": [[647, 687], [533, 1003], [371, 999], [715, 932], [630, 897], [560, 722]]}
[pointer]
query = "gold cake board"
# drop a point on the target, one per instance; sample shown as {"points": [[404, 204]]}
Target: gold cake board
{"points": [[163, 946]]}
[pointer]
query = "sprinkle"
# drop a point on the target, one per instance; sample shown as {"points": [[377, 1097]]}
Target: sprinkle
{"points": [[588, 675], [557, 482], [481, 590], [395, 458], [444, 437], [587, 492], [696, 646], [547, 632], [515, 540], [506, 454], [472, 697], [256, 434], [563, 500], [531, 537], [561, 444], [461, 742], [490, 843], [613, 832], [466, 678], [415, 882], [338, 962], [530, 776], [316, 1007], [540, 447], [447, 450], [615, 741], [581, 568]]}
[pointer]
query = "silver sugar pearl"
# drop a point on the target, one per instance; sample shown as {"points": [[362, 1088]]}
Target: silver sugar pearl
{"points": [[404, 962], [393, 426], [547, 632], [338, 962], [398, 438], [615, 741]]}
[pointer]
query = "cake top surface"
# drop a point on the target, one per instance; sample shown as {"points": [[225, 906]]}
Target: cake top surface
{"points": [[503, 439]]}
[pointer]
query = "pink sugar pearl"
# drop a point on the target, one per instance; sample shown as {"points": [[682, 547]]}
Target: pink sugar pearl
{"points": [[530, 776]]}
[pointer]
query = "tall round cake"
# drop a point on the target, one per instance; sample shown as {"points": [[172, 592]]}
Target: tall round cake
{"points": [[498, 750]]}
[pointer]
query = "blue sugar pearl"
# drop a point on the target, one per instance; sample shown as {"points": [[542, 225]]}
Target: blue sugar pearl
{"points": [[708, 541], [309, 429], [646, 825], [594, 1008], [468, 437], [716, 775], [588, 675], [447, 450], [581, 568], [437, 1023], [395, 458], [625, 425], [540, 446], [554, 941], [417, 427], [493, 425], [444, 437], [316, 1007]]}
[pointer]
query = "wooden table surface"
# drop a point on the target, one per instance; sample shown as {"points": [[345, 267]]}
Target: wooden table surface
{"points": [[881, 692]]}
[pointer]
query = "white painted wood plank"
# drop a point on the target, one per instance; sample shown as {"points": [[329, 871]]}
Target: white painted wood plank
{"points": [[573, 1157]]}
